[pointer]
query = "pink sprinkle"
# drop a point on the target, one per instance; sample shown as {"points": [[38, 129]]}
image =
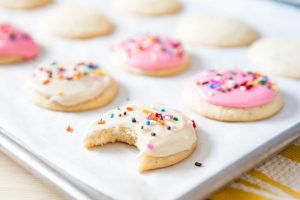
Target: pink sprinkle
{"points": [[168, 117], [149, 116], [150, 146], [94, 76]]}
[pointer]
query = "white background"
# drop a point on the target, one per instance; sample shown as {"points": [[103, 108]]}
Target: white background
{"points": [[112, 168]]}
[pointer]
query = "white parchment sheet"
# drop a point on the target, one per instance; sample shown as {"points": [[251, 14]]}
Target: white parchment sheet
{"points": [[112, 168]]}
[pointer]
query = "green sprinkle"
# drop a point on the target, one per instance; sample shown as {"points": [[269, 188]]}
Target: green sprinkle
{"points": [[175, 118], [262, 82]]}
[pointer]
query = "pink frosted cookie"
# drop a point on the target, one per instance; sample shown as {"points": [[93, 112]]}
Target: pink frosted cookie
{"points": [[151, 55], [15, 45], [233, 95]]}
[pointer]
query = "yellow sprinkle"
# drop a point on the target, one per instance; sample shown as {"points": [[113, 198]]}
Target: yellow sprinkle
{"points": [[100, 72], [76, 77], [145, 111], [59, 93], [255, 82], [58, 77]]}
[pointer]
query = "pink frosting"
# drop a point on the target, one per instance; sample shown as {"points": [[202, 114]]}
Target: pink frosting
{"points": [[14, 42], [234, 88], [151, 52]]}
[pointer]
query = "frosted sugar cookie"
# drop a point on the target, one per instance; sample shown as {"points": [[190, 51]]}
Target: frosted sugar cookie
{"points": [[151, 55], [70, 87], [76, 22], [279, 56], [23, 4], [215, 30], [232, 95], [149, 7], [15, 45], [163, 136]]}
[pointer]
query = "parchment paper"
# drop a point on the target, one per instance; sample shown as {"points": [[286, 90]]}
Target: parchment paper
{"points": [[112, 168]]}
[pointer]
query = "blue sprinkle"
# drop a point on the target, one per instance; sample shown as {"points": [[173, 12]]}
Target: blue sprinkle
{"points": [[148, 122], [213, 86], [170, 52], [112, 115], [162, 110], [91, 66]]}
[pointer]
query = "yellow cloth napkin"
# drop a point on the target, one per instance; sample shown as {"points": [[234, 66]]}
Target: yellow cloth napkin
{"points": [[277, 178]]}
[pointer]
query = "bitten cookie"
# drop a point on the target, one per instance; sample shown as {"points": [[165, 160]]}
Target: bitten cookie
{"points": [[232, 95], [23, 4], [15, 45], [215, 30], [70, 87], [279, 56], [151, 55], [149, 7], [76, 22], [163, 136]]}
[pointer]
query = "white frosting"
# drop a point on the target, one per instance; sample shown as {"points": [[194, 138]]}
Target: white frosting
{"points": [[180, 137], [76, 83]]}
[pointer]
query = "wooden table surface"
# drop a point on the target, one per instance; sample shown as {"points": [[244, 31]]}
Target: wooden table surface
{"points": [[16, 183]]}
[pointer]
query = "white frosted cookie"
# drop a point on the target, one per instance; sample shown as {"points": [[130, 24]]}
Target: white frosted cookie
{"points": [[163, 136], [23, 4], [232, 95], [151, 55], [70, 87], [77, 22], [279, 56], [149, 7], [215, 30]]}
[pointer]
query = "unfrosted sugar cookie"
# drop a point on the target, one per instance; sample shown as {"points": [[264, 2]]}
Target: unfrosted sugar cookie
{"points": [[163, 136], [76, 22], [215, 30], [232, 95], [23, 4], [149, 7], [70, 87], [15, 45], [279, 56], [151, 55]]}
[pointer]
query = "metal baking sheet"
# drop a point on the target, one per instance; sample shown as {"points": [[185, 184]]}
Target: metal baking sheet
{"points": [[37, 137]]}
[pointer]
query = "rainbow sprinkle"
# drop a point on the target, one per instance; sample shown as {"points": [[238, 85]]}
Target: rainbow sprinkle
{"points": [[225, 82], [146, 41], [79, 70]]}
